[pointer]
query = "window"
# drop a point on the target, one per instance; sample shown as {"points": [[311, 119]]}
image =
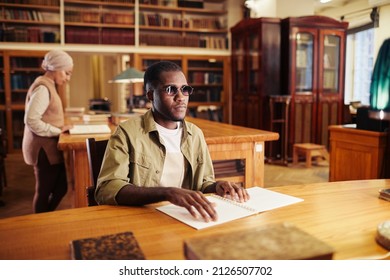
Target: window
{"points": [[359, 66]]}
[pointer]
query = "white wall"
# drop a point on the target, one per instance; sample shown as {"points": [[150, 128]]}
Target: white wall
{"points": [[81, 83], [383, 32], [296, 8]]}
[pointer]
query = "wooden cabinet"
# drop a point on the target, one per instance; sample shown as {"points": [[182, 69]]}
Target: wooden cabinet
{"points": [[313, 58], [255, 73], [2, 95], [208, 75], [255, 70], [357, 154], [20, 69]]}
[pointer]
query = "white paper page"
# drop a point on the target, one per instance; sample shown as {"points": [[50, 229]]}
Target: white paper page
{"points": [[226, 212], [90, 129], [261, 200]]}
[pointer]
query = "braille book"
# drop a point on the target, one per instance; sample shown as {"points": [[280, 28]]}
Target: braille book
{"points": [[261, 200]]}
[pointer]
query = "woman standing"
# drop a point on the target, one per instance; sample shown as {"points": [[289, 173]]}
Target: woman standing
{"points": [[44, 121]]}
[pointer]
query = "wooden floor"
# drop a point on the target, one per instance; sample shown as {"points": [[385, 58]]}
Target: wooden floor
{"points": [[19, 192]]}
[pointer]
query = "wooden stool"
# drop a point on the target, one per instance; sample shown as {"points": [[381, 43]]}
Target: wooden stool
{"points": [[310, 150]]}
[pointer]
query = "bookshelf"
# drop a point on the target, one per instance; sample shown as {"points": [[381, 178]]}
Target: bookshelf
{"points": [[2, 94], [135, 23], [209, 77], [30, 21], [99, 22], [199, 24], [20, 68]]}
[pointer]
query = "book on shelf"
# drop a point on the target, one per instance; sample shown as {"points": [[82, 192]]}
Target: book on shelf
{"points": [[279, 241], [90, 129], [118, 246], [261, 200]]}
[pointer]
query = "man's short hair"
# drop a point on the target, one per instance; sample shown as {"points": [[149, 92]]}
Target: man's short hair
{"points": [[153, 72]]}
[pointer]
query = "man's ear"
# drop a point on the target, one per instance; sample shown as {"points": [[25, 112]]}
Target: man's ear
{"points": [[149, 94]]}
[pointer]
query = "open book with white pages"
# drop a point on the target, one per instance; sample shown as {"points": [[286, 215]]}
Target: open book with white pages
{"points": [[90, 129], [261, 200]]}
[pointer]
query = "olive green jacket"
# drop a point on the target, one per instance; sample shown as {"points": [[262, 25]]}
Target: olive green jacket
{"points": [[135, 154]]}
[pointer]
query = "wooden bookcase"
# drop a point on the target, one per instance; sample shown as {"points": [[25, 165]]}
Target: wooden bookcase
{"points": [[199, 24], [255, 73], [20, 68], [30, 21], [99, 22], [195, 24], [208, 75], [2, 95], [313, 55]]}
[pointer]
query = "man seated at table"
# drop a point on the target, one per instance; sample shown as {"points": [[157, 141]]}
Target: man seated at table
{"points": [[161, 157]]}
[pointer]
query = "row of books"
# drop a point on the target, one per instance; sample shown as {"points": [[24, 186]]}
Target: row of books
{"points": [[18, 97], [206, 78], [34, 2], [29, 34], [165, 3], [94, 36], [211, 5], [183, 41], [97, 17], [167, 20], [22, 81], [206, 95], [25, 62], [33, 15]]}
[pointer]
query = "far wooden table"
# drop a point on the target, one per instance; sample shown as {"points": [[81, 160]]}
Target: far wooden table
{"points": [[224, 141]]}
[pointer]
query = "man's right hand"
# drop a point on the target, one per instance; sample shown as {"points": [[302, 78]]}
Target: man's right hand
{"points": [[194, 201]]}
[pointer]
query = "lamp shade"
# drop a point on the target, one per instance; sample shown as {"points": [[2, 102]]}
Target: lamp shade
{"points": [[130, 75]]}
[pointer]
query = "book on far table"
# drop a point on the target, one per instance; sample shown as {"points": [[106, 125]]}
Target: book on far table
{"points": [[261, 200], [90, 129]]}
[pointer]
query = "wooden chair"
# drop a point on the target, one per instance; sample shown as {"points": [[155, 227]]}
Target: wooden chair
{"points": [[95, 152]]}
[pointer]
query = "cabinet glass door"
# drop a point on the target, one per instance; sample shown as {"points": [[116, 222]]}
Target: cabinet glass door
{"points": [[304, 62], [239, 89], [254, 62], [331, 63]]}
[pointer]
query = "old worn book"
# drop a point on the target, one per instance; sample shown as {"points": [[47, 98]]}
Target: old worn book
{"points": [[273, 242], [118, 246]]}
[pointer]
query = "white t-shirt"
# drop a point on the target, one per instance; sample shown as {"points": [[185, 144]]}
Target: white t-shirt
{"points": [[173, 170]]}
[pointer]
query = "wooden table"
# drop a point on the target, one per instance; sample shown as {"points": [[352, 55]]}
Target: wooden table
{"points": [[224, 141], [343, 214]]}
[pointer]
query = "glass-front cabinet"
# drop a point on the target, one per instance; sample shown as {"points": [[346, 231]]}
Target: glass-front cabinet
{"points": [[255, 70], [313, 51], [304, 62]]}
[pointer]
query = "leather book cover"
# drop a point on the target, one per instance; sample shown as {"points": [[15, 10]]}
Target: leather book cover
{"points": [[274, 242], [118, 246]]}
